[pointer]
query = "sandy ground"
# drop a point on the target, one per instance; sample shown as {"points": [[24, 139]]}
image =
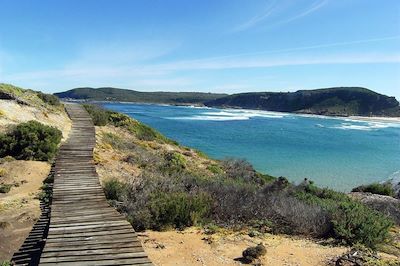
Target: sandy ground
{"points": [[192, 247], [13, 113], [18, 208]]}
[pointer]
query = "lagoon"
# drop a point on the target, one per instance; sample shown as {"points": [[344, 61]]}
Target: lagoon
{"points": [[338, 153]]}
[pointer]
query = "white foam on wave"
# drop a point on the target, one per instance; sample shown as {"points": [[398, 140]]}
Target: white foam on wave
{"points": [[365, 126], [212, 118], [231, 115]]}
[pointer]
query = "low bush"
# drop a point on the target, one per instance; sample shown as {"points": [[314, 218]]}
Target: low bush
{"points": [[5, 188], [232, 203], [99, 116], [252, 253], [115, 141], [7, 159], [376, 188], [102, 117], [215, 169], [49, 98], [30, 141], [144, 132], [178, 209], [174, 162], [114, 189], [351, 221], [2, 172], [240, 169], [356, 223]]}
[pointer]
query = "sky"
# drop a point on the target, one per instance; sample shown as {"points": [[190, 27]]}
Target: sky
{"points": [[201, 45]]}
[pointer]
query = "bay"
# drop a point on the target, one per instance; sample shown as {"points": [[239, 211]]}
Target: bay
{"points": [[338, 153]]}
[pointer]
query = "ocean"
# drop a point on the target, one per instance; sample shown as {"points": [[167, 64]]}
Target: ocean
{"points": [[338, 153]]}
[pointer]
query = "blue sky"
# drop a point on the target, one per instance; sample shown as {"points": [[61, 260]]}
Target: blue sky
{"points": [[214, 46]]}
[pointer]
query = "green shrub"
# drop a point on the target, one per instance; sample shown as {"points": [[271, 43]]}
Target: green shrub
{"points": [[351, 221], [100, 117], [5, 188], [357, 224], [376, 188], [175, 162], [30, 141], [242, 170], [143, 132], [114, 140], [178, 209], [201, 154], [119, 120], [2, 172], [265, 178], [7, 159], [215, 169], [48, 98], [114, 189]]}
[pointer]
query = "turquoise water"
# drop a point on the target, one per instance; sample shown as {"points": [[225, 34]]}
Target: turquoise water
{"points": [[336, 153]]}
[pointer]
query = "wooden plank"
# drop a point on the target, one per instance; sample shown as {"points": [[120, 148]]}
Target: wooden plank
{"points": [[102, 251], [141, 262], [94, 246], [84, 229], [90, 242], [129, 255]]}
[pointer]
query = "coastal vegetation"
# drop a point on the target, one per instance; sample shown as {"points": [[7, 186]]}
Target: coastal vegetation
{"points": [[124, 95], [30, 141], [341, 101], [376, 188], [29, 97], [175, 188], [102, 117]]}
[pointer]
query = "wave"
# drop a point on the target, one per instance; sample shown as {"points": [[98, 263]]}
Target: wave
{"points": [[366, 126], [231, 115], [211, 118]]}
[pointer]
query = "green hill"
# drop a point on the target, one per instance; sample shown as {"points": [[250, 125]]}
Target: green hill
{"points": [[341, 101], [124, 95]]}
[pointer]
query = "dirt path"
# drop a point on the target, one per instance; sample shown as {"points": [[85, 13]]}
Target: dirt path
{"points": [[19, 208], [192, 247]]}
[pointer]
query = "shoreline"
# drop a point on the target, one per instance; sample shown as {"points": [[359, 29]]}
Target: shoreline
{"points": [[383, 119], [379, 119]]}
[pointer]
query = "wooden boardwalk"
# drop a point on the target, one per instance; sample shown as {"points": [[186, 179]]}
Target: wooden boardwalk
{"points": [[84, 229]]}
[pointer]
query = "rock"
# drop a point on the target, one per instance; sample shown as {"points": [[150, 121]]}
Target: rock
{"points": [[252, 253], [355, 257], [385, 204], [208, 239], [160, 246], [254, 233]]}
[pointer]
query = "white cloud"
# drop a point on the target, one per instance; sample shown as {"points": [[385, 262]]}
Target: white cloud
{"points": [[279, 13], [134, 67], [284, 60], [257, 19], [147, 75], [314, 7]]}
